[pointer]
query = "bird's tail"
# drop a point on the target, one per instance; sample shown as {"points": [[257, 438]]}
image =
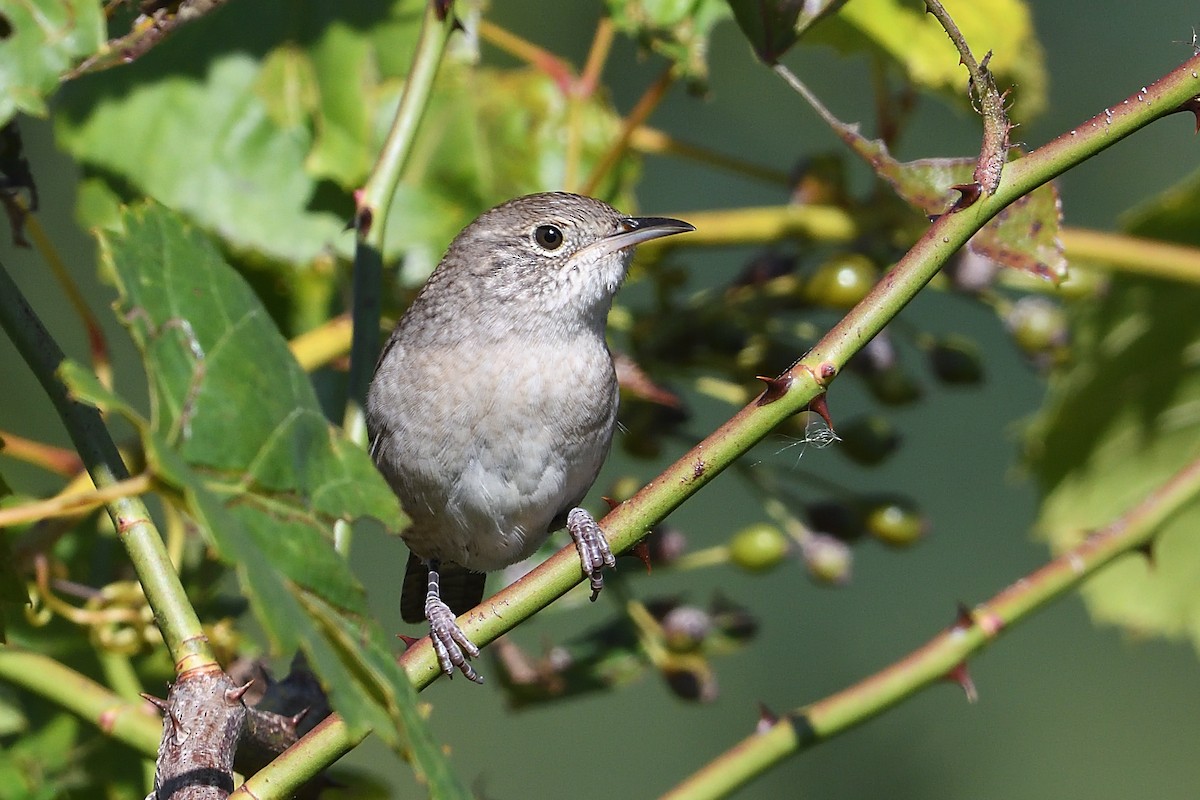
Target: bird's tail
{"points": [[462, 589]]}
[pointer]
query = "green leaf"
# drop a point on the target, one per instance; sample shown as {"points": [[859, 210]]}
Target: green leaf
{"points": [[1120, 420], [43, 40], [44, 763], [906, 35], [675, 29], [237, 438], [279, 128], [238, 122], [225, 390]]}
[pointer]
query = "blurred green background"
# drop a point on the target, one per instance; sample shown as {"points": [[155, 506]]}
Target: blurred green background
{"points": [[1066, 710]]}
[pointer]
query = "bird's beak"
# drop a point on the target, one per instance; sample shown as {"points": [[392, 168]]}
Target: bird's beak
{"points": [[638, 230]]}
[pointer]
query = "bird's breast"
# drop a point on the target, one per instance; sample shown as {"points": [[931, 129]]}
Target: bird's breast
{"points": [[489, 442]]}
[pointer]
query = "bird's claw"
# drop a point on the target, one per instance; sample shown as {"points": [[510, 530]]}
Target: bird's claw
{"points": [[451, 645], [594, 552]]}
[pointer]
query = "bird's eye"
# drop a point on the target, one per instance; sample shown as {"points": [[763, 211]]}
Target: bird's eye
{"points": [[548, 236]]}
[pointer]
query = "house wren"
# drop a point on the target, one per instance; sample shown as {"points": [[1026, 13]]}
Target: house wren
{"points": [[494, 401]]}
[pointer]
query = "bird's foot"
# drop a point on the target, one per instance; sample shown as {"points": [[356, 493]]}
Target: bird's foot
{"points": [[594, 553], [451, 645]]}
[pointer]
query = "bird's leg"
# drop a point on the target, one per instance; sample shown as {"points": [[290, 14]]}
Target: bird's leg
{"points": [[452, 646], [594, 553]]}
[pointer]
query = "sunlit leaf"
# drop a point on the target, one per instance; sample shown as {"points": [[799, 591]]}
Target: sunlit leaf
{"points": [[242, 136], [905, 34], [40, 41], [1122, 418], [263, 140]]}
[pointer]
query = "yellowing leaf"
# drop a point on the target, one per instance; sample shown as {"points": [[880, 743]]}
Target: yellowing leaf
{"points": [[913, 39]]}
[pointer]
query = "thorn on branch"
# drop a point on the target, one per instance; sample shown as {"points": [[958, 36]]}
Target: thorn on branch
{"points": [[298, 717], [820, 406], [961, 675], [363, 217], [1193, 106], [963, 617], [235, 694], [767, 719], [990, 624], [776, 388], [968, 195], [642, 551], [157, 702]]}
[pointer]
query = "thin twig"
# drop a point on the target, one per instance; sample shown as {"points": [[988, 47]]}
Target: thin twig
{"points": [[74, 504], [649, 140], [640, 113], [370, 221], [993, 151]]}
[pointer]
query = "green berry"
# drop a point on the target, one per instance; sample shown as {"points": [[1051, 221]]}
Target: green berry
{"points": [[897, 522], [841, 282], [758, 547]]}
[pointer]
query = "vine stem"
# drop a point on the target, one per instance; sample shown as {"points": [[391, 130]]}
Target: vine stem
{"points": [[944, 656], [173, 612], [789, 393], [374, 201], [639, 114], [136, 724], [1132, 254], [97, 342], [71, 503]]}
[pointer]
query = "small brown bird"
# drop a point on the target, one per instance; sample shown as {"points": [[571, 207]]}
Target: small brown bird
{"points": [[494, 401]]}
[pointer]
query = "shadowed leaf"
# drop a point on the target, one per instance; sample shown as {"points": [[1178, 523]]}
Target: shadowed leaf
{"points": [[1120, 420], [770, 25], [1173, 215]]}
